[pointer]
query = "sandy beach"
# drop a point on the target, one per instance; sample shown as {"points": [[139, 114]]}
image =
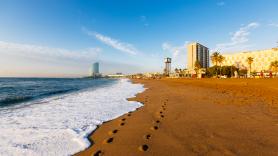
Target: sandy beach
{"points": [[195, 117]]}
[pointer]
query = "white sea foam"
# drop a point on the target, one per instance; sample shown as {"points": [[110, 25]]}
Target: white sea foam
{"points": [[60, 126]]}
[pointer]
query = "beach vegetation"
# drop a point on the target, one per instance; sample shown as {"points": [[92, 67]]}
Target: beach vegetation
{"points": [[274, 67], [197, 67], [242, 72], [225, 70], [221, 60], [217, 59], [250, 60]]}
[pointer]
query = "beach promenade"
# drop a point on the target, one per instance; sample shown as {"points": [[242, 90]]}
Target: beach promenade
{"points": [[195, 117]]}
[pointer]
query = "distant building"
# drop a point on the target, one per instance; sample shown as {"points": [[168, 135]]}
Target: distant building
{"points": [[261, 59], [196, 51], [117, 75], [167, 69], [95, 70]]}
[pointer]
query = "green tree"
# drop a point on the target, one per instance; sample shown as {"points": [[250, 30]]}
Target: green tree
{"points": [[226, 70], [176, 70], [242, 72], [250, 60], [274, 67], [215, 58], [221, 60], [197, 67]]}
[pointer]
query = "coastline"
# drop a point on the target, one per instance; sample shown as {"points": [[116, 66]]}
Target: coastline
{"points": [[88, 150], [195, 117], [61, 124]]}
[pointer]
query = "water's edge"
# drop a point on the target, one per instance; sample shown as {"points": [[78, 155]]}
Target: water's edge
{"points": [[105, 122], [64, 125]]}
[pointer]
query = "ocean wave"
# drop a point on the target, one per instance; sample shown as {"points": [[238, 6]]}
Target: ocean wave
{"points": [[19, 99], [13, 100], [60, 126], [57, 92]]}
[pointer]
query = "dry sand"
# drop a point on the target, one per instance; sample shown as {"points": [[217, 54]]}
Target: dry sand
{"points": [[195, 117]]}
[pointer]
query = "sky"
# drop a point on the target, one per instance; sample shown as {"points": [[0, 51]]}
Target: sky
{"points": [[49, 38]]}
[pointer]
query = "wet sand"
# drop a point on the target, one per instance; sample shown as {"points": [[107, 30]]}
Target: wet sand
{"points": [[195, 117]]}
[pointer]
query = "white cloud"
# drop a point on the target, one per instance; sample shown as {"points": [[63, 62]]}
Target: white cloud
{"points": [[239, 39], [48, 53], [274, 25], [27, 60], [116, 44], [178, 53], [175, 50], [220, 3]]}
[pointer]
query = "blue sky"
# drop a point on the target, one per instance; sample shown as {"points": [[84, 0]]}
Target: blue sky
{"points": [[62, 38]]}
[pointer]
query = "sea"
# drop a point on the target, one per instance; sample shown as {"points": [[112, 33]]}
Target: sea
{"points": [[54, 116]]}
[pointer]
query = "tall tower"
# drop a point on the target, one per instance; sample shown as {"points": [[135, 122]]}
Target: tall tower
{"points": [[95, 69], [167, 69]]}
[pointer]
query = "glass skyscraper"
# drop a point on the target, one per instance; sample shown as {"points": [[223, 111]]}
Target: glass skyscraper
{"points": [[95, 69]]}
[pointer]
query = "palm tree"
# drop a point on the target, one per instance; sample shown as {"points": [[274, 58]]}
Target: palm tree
{"points": [[180, 70], [176, 70], [250, 60], [197, 67], [215, 58], [274, 66], [220, 60], [180, 73]]}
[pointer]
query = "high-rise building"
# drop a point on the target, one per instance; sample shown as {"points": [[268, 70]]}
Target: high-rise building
{"points": [[95, 69], [196, 51]]}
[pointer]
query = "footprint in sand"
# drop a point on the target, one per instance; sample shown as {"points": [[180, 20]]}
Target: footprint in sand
{"points": [[146, 99], [162, 116], [154, 128], [123, 119], [98, 153], [113, 132], [144, 148], [147, 137], [129, 114], [122, 124], [108, 141], [157, 121]]}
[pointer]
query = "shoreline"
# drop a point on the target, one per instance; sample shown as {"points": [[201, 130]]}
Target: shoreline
{"points": [[89, 137], [63, 124], [221, 117]]}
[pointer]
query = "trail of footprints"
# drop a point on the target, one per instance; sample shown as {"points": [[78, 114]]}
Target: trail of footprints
{"points": [[112, 133], [147, 137], [155, 127]]}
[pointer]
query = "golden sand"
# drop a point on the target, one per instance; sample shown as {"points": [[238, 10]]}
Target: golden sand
{"points": [[195, 117]]}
